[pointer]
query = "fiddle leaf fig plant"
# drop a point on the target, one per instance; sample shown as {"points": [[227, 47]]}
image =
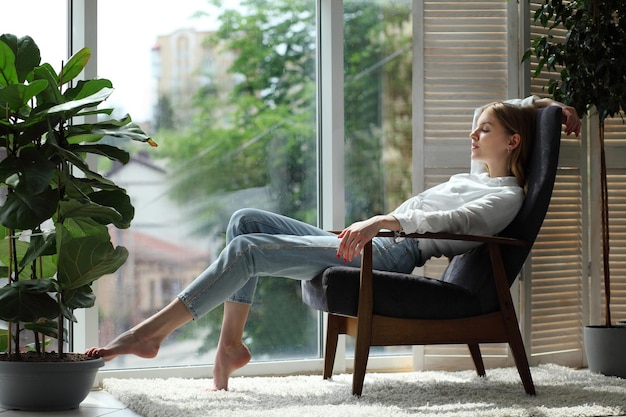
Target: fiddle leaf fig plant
{"points": [[56, 210]]}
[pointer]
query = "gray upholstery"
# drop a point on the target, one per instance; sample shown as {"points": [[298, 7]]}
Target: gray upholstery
{"points": [[466, 287]]}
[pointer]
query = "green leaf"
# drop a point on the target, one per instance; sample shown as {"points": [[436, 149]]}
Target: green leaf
{"points": [[111, 152], [68, 313], [84, 260], [80, 227], [120, 202], [31, 172], [129, 131], [122, 128], [83, 137], [28, 301], [18, 95], [82, 297], [74, 106], [21, 248], [73, 208], [8, 72], [28, 57], [50, 95], [86, 88], [80, 163], [86, 186], [75, 65], [43, 244], [28, 212], [107, 111], [48, 327], [18, 57]]}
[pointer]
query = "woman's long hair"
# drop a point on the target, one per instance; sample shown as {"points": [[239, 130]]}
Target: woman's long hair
{"points": [[521, 120]]}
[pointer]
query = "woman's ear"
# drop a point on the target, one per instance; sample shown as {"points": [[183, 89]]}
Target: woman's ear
{"points": [[514, 140]]}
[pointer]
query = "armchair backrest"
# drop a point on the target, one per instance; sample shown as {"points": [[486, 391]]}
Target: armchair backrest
{"points": [[472, 270]]}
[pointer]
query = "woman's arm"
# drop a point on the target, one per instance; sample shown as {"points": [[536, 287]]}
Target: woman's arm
{"points": [[355, 236], [570, 116]]}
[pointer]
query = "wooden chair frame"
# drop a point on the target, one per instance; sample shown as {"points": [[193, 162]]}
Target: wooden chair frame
{"points": [[374, 330]]}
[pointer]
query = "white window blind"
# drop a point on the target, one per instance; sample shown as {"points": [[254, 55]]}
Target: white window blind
{"points": [[464, 63], [553, 294], [555, 276], [572, 228], [615, 145]]}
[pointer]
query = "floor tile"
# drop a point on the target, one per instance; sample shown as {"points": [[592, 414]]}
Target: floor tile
{"points": [[97, 404]]}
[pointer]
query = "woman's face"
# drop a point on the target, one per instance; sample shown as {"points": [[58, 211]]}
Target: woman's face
{"points": [[490, 141]]}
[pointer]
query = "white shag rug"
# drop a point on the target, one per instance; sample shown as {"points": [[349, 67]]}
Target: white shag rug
{"points": [[561, 392]]}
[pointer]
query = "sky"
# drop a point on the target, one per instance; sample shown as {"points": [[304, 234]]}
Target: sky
{"points": [[127, 31]]}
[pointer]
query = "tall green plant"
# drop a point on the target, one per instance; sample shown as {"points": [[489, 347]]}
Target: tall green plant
{"points": [[591, 63], [57, 210]]}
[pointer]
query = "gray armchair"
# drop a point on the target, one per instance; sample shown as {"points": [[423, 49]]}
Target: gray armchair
{"points": [[470, 304]]}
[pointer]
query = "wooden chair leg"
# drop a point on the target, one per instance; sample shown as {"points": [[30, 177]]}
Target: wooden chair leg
{"points": [[510, 319], [332, 336], [361, 355], [364, 320], [521, 361], [478, 359]]}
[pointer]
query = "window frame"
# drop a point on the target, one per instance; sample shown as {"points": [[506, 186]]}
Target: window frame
{"points": [[82, 30]]}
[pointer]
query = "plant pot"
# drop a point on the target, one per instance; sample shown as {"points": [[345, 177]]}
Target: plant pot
{"points": [[605, 348], [46, 386]]}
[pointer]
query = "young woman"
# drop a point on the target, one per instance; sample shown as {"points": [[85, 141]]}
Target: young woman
{"points": [[260, 243]]}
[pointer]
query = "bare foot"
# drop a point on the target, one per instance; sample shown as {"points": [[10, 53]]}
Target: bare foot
{"points": [[127, 343], [227, 361]]}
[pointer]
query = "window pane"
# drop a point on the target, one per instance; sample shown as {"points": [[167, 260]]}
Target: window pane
{"points": [[378, 57], [230, 98], [33, 18], [378, 110]]}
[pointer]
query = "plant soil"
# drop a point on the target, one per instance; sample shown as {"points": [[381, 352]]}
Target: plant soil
{"points": [[46, 357]]}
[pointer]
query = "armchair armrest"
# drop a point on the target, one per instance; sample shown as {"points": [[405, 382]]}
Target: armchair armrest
{"points": [[452, 236]]}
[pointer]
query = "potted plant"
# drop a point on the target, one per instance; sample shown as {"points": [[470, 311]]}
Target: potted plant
{"points": [[55, 215], [591, 62]]}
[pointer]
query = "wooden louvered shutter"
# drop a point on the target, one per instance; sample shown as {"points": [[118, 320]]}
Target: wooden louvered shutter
{"points": [[553, 291], [615, 145], [464, 65]]}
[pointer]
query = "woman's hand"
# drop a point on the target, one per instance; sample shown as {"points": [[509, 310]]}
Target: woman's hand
{"points": [[570, 115], [354, 237], [570, 120]]}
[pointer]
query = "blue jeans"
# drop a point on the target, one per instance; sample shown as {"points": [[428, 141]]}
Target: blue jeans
{"points": [[260, 243]]}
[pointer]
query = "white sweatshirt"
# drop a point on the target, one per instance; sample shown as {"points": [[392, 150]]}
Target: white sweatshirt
{"points": [[467, 204]]}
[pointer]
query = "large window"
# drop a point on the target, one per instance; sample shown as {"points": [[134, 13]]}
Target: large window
{"points": [[229, 96], [232, 96], [378, 52]]}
